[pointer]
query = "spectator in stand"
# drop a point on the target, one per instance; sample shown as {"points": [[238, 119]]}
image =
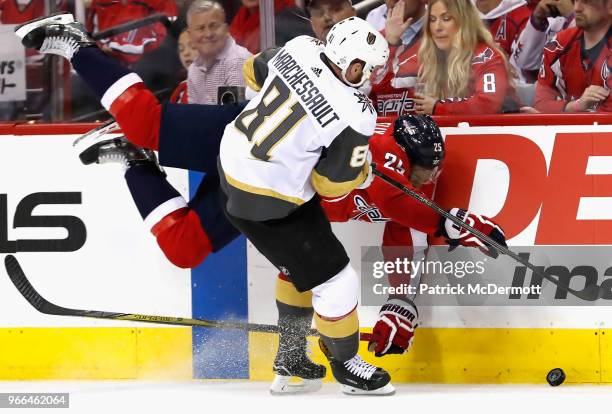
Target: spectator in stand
{"points": [[392, 86], [220, 58], [505, 20], [129, 46], [21, 11], [457, 81], [548, 18], [377, 17], [326, 13], [245, 26], [187, 55], [37, 79], [574, 72]]}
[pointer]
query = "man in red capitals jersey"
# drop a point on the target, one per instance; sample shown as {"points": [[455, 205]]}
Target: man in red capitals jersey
{"points": [[393, 85], [574, 72], [505, 20], [130, 46]]}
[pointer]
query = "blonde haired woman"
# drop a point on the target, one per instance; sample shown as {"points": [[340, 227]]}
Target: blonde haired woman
{"points": [[461, 68]]}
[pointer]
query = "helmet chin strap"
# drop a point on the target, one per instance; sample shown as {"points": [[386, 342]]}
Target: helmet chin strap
{"points": [[364, 76]]}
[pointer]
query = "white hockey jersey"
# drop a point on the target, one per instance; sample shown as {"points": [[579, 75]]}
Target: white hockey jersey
{"points": [[529, 51], [305, 132]]}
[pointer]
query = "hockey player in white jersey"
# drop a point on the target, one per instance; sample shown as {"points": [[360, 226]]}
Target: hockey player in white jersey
{"points": [[307, 132]]}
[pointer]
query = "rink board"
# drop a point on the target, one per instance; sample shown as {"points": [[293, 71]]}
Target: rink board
{"points": [[119, 268], [95, 353]]}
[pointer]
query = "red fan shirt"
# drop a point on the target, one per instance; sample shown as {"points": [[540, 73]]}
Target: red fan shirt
{"points": [[488, 90], [566, 72], [129, 46], [507, 27], [393, 84]]}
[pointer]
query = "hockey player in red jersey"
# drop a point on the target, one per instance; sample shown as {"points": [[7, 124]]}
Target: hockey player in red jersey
{"points": [[188, 232], [130, 46], [573, 73], [456, 83]]}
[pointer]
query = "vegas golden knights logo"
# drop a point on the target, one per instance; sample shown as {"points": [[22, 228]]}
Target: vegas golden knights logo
{"points": [[371, 38]]}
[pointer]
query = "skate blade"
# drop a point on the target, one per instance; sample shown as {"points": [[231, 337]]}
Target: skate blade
{"points": [[22, 30], [382, 391], [282, 386], [86, 145], [92, 136]]}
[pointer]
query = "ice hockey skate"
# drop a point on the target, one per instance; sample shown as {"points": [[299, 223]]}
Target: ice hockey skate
{"points": [[57, 34], [357, 377], [100, 149], [295, 372]]}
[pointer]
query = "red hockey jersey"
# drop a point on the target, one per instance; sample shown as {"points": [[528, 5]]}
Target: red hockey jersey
{"points": [[381, 202], [129, 46], [507, 27], [393, 84], [565, 74], [16, 11], [489, 86]]}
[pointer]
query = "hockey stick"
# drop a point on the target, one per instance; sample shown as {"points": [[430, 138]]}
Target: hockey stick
{"points": [[126, 27], [590, 293], [23, 285]]}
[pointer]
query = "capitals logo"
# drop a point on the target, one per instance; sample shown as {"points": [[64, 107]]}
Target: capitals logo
{"points": [[394, 104], [483, 57], [366, 212], [553, 46]]}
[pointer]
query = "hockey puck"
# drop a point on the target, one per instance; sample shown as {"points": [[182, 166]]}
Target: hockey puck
{"points": [[555, 377]]}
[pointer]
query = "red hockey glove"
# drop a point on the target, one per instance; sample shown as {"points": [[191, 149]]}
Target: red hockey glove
{"points": [[456, 236], [394, 329]]}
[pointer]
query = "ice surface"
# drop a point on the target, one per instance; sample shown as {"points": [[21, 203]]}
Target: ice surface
{"points": [[119, 397]]}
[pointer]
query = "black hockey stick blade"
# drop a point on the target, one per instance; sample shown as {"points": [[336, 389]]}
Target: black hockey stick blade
{"points": [[590, 293], [26, 289]]}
